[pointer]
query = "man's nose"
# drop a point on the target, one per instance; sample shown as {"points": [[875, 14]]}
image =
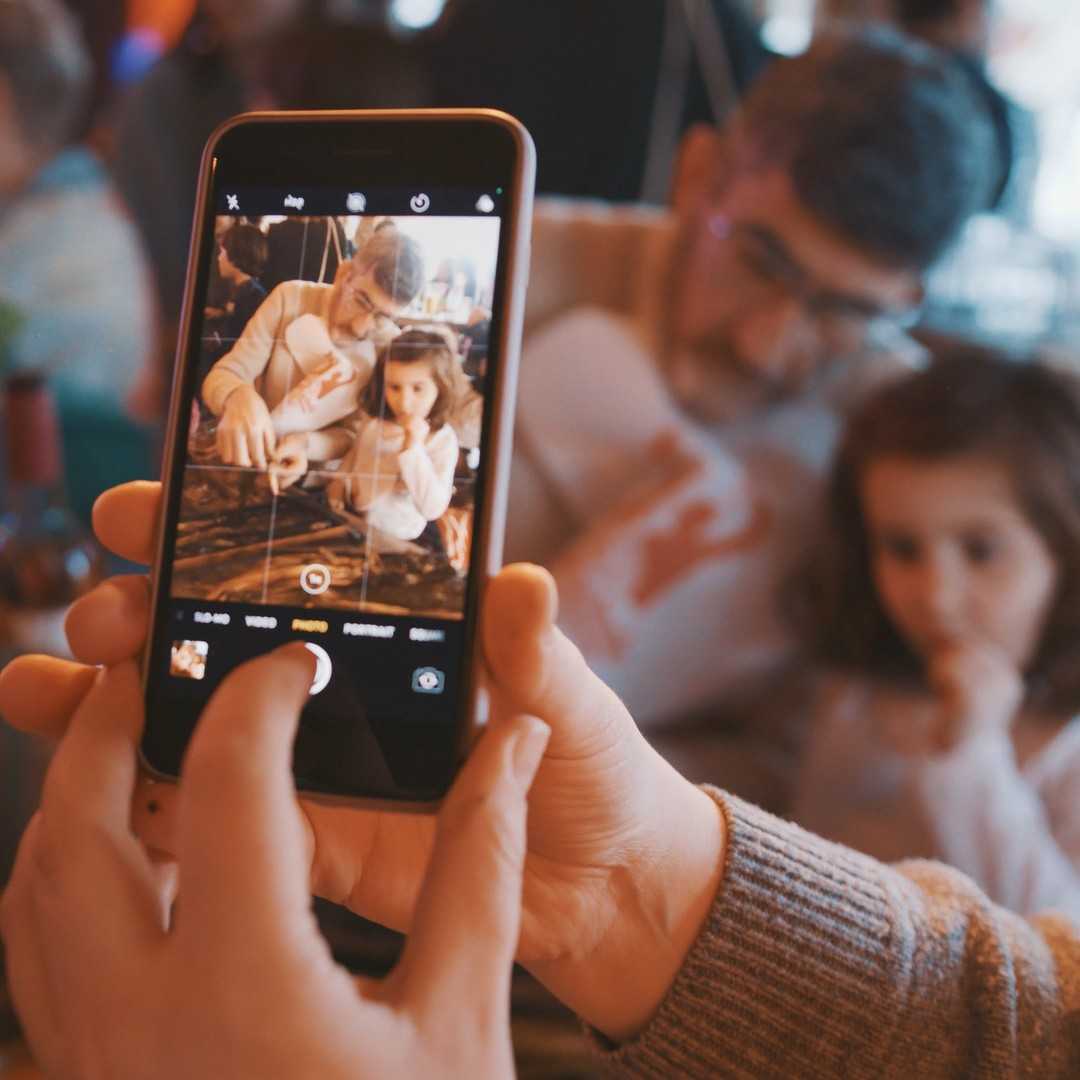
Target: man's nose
{"points": [[775, 338]]}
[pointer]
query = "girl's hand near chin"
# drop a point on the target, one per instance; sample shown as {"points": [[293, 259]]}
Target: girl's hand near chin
{"points": [[979, 692], [416, 430]]}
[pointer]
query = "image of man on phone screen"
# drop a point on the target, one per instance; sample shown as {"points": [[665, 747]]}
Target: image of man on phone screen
{"points": [[306, 329]]}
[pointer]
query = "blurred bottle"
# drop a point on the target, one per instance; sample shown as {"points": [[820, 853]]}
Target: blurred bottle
{"points": [[47, 559]]}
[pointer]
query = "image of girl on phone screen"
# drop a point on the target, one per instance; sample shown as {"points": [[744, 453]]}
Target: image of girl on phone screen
{"points": [[945, 605], [399, 472]]}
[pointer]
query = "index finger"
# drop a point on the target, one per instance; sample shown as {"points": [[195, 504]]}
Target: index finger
{"points": [[243, 855], [92, 775], [257, 447], [270, 441], [238, 450]]}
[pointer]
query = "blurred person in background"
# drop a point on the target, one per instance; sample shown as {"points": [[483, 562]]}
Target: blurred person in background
{"points": [[311, 248], [941, 606], [666, 467], [70, 261], [241, 259], [238, 55], [102, 25], [962, 28], [605, 88]]}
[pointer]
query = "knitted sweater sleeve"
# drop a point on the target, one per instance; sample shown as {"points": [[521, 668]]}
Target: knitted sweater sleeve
{"points": [[816, 961]]}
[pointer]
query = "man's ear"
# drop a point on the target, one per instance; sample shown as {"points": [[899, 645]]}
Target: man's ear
{"points": [[698, 167]]}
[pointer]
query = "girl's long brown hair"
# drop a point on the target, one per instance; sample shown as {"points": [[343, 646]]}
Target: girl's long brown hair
{"points": [[1025, 416], [409, 348]]}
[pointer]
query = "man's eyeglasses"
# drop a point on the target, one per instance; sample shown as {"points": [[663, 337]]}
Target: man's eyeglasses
{"points": [[363, 301], [844, 321]]}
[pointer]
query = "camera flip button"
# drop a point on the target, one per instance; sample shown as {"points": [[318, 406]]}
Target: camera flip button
{"points": [[428, 680]]}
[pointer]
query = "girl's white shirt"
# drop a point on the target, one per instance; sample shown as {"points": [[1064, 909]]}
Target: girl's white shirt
{"points": [[1013, 827], [400, 490]]}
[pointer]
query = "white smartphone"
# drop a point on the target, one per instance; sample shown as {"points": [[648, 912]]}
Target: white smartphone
{"points": [[340, 431]]}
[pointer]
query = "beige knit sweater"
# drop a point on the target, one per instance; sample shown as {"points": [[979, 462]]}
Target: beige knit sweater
{"points": [[819, 962]]}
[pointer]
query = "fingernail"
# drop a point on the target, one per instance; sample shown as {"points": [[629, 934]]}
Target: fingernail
{"points": [[529, 750]]}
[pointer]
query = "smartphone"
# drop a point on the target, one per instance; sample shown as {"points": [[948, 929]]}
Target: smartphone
{"points": [[339, 435]]}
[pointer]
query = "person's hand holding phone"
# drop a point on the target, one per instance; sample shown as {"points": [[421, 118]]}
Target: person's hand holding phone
{"points": [[624, 855], [245, 435], [108, 983]]}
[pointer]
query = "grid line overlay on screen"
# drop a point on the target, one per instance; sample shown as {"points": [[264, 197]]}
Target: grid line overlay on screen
{"points": [[375, 512]]}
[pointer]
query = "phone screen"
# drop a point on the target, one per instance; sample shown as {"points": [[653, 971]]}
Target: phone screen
{"points": [[329, 469]]}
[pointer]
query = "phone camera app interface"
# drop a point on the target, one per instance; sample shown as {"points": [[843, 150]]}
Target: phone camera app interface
{"points": [[333, 450]]}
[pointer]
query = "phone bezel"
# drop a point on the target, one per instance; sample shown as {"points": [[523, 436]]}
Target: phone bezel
{"points": [[391, 138]]}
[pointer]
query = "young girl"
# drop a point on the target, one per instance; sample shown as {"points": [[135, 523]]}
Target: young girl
{"points": [[400, 469], [947, 602]]}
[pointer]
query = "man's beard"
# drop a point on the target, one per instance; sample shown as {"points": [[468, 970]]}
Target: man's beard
{"points": [[342, 332], [714, 387]]}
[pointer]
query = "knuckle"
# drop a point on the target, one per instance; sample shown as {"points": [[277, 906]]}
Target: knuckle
{"points": [[62, 776], [484, 816], [67, 838], [87, 600]]}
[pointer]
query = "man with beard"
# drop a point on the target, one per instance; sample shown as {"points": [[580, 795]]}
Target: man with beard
{"points": [[667, 464], [309, 339]]}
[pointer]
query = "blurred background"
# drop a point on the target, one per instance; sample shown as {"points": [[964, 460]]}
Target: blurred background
{"points": [[95, 208], [163, 73]]}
